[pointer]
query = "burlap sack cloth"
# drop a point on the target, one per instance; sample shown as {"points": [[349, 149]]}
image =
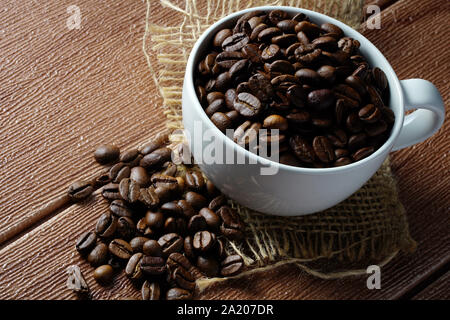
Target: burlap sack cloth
{"points": [[368, 228]]}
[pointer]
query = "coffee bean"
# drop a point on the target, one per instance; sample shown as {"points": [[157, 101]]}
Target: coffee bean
{"points": [[353, 123], [369, 113], [308, 76], [152, 248], [215, 204], [98, 255], [310, 29], [144, 229], [153, 266], [184, 279], [137, 243], [80, 190], [120, 209], [178, 294], [247, 104], [104, 274], [194, 180], [86, 242], [197, 201], [362, 153], [164, 181], [156, 158], [211, 218], [133, 268], [208, 265], [275, 122], [188, 247], [106, 225], [197, 223], [101, 180], [126, 228], [129, 157], [129, 190], [331, 28], [220, 37], [325, 43], [119, 171], [157, 143], [140, 176], [235, 42], [203, 241], [187, 210], [232, 265], [170, 243], [321, 99], [262, 90], [323, 149], [149, 197], [154, 219], [302, 149], [172, 208], [150, 290], [380, 79], [111, 191], [307, 53], [232, 226], [106, 153], [120, 249], [375, 129], [271, 53]]}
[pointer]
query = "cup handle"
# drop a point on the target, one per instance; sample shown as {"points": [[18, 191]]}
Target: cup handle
{"points": [[424, 122]]}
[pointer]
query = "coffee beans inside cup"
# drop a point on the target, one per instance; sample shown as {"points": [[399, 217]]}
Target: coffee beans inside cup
{"points": [[165, 225], [273, 70]]}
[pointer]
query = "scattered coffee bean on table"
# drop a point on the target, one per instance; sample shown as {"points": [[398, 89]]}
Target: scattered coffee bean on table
{"points": [[309, 81], [163, 225]]}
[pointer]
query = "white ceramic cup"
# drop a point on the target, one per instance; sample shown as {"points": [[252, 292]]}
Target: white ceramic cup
{"points": [[298, 191]]}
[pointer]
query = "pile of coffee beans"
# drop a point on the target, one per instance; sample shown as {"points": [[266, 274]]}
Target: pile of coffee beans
{"points": [[278, 71], [165, 222]]}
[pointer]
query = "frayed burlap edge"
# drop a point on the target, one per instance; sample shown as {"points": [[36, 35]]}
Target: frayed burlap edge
{"points": [[377, 232]]}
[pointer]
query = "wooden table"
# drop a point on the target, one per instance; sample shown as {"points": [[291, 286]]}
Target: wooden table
{"points": [[63, 92]]}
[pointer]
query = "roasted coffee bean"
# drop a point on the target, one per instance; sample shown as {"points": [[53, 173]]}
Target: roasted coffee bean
{"points": [[287, 26], [211, 218], [281, 67], [348, 91], [178, 294], [116, 263], [156, 158], [80, 190], [380, 79], [130, 157], [338, 138], [149, 197], [271, 53], [369, 113], [356, 83], [247, 104], [232, 265], [187, 210], [308, 76], [188, 248], [388, 115], [327, 73], [154, 219], [353, 123], [227, 59], [194, 180], [235, 42], [340, 153], [153, 266], [157, 143], [306, 53], [98, 255], [197, 201], [275, 122], [208, 265], [331, 28], [104, 274], [170, 243], [137, 243], [175, 225], [321, 99], [119, 171], [215, 106], [375, 97], [152, 248], [300, 117], [150, 290], [296, 95], [86, 242], [101, 180], [310, 29], [246, 133], [143, 228], [302, 149], [348, 45], [133, 268], [171, 208], [129, 190], [362, 153], [216, 203], [357, 140], [164, 181], [106, 153], [342, 162], [126, 228], [106, 225], [321, 122], [196, 223], [120, 209], [220, 37], [140, 176], [120, 249], [203, 241], [184, 279], [221, 121], [232, 226], [323, 149], [375, 129]]}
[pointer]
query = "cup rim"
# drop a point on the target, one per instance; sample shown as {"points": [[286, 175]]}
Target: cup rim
{"points": [[348, 31]]}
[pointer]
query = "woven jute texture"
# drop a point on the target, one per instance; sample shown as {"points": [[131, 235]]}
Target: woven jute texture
{"points": [[368, 228]]}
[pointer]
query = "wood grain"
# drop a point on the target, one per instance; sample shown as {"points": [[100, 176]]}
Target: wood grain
{"points": [[63, 92], [34, 265], [438, 290]]}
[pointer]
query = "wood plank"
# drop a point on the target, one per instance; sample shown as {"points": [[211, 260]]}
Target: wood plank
{"points": [[63, 92], [48, 249], [438, 290]]}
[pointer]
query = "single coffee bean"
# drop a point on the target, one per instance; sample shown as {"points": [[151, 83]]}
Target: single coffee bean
{"points": [[356, 83], [331, 28], [308, 76], [342, 162], [156, 158], [232, 226], [120, 249], [157, 143], [310, 29], [120, 208], [184, 279], [172, 208], [275, 121], [216, 203], [140, 176], [150, 290], [126, 228], [380, 79], [208, 265], [152, 248], [323, 149], [104, 274], [101, 180], [106, 153], [178, 294], [111, 191], [129, 190], [188, 210], [325, 43], [357, 140], [211, 218], [203, 241], [133, 268], [175, 225], [149, 197], [235, 42], [327, 73], [154, 220], [80, 190], [170, 243], [247, 104], [321, 99], [197, 223], [221, 36], [232, 265], [106, 225], [353, 123], [137, 243], [130, 157], [119, 171], [98, 255], [271, 53], [153, 265], [340, 153], [287, 26], [296, 95], [196, 200], [369, 113], [302, 149], [375, 129], [194, 180], [362, 153], [86, 242], [221, 121]]}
